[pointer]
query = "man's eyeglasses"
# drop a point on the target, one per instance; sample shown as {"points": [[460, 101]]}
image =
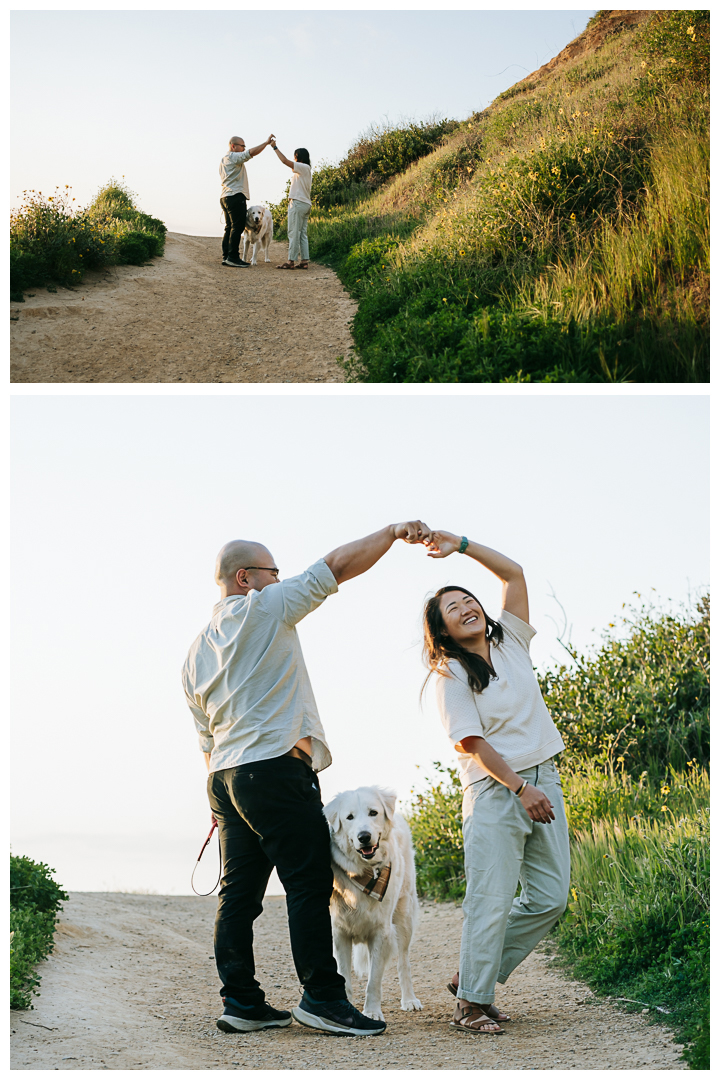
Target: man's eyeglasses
{"points": [[271, 569]]}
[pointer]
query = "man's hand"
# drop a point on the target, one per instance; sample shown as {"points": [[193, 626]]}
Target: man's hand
{"points": [[441, 544], [537, 804], [412, 532], [270, 140]]}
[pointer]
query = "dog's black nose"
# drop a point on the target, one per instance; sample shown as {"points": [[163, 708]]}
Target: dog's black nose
{"points": [[364, 838]]}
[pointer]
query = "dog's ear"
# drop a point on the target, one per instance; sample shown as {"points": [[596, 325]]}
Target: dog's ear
{"points": [[388, 799], [332, 815]]}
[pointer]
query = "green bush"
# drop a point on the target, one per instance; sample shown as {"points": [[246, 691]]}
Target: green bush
{"points": [[435, 817], [32, 887], [378, 154], [676, 47], [35, 899], [31, 940], [643, 701], [52, 241]]}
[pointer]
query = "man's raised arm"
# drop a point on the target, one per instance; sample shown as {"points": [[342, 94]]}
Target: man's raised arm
{"points": [[355, 558]]}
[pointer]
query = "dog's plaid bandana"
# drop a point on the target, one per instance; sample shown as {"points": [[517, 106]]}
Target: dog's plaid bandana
{"points": [[373, 886]]}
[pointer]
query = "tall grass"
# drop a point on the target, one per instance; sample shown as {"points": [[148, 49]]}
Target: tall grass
{"points": [[52, 241], [560, 235], [638, 921], [635, 719]]}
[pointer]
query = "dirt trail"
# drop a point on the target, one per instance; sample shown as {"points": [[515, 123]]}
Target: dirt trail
{"points": [[132, 985], [186, 318]]}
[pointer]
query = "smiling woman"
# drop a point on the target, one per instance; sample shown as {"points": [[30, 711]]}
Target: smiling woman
{"points": [[493, 711]]}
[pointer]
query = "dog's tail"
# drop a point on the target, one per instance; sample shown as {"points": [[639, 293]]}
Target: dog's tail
{"points": [[361, 961]]}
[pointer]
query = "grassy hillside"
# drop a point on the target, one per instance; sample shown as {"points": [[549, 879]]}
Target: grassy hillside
{"points": [[560, 235]]}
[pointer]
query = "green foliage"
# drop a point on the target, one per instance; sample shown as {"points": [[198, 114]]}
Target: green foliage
{"points": [[637, 924], [635, 720], [378, 154], [35, 899], [560, 235], [31, 940], [676, 47], [32, 887], [435, 818], [643, 701], [52, 241]]}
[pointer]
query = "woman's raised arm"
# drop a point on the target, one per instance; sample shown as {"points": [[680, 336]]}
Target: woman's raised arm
{"points": [[515, 597], [286, 161]]}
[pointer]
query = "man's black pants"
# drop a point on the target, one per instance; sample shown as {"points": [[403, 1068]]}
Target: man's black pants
{"points": [[269, 814], [234, 208]]}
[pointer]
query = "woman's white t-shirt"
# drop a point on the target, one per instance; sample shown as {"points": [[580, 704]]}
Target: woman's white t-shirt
{"points": [[301, 182], [510, 712]]}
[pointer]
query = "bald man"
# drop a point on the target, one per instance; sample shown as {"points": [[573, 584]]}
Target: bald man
{"points": [[248, 689], [234, 196]]}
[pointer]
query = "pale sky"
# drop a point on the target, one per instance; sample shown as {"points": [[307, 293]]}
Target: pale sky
{"points": [[154, 96], [122, 502]]}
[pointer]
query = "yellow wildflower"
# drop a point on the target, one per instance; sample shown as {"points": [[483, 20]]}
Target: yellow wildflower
{"points": [[663, 807]]}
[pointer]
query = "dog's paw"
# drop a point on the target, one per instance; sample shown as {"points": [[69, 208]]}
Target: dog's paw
{"points": [[374, 1014], [412, 1004]]}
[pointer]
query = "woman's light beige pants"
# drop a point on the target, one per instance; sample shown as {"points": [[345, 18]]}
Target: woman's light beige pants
{"points": [[297, 223], [504, 847]]}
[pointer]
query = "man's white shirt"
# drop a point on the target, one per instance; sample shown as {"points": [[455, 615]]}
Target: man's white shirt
{"points": [[245, 678], [233, 175]]}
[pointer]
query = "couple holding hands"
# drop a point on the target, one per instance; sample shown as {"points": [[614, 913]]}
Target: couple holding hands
{"points": [[236, 193], [249, 692]]}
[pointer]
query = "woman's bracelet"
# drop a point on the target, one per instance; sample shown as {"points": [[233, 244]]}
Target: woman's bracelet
{"points": [[521, 788]]}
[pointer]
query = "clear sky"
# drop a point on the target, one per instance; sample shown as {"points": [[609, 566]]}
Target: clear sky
{"points": [[154, 96], [121, 503]]}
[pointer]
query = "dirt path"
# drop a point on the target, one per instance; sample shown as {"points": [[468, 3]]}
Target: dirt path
{"points": [[132, 985], [186, 318]]}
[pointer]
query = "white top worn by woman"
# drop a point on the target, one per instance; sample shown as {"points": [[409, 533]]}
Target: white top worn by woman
{"points": [[510, 713], [301, 182]]}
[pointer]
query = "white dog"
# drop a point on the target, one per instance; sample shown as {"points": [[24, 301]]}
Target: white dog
{"points": [[258, 232], [374, 903]]}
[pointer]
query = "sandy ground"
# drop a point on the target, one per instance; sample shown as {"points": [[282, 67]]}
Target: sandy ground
{"points": [[186, 318], [132, 985]]}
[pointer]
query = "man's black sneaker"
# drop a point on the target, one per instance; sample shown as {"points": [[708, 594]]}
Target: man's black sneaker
{"points": [[231, 262], [236, 1017], [336, 1018]]}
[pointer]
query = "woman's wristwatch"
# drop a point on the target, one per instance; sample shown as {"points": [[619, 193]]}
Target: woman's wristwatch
{"points": [[463, 545], [521, 788]]}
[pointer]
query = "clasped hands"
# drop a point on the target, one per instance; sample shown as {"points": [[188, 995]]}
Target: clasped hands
{"points": [[439, 544]]}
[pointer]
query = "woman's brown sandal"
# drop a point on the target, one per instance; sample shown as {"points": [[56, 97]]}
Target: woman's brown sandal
{"points": [[301, 266], [286, 266], [472, 1018], [491, 1010]]}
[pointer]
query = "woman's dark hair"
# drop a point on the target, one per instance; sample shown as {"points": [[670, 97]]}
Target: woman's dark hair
{"points": [[303, 155], [439, 647]]}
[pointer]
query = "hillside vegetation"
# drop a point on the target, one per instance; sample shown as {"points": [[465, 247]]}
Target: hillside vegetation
{"points": [[35, 899], [635, 718], [559, 235], [52, 241]]}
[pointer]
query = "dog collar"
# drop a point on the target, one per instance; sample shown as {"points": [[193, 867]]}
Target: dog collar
{"points": [[371, 885]]}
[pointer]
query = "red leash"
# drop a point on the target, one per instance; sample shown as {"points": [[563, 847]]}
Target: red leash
{"points": [[202, 849]]}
